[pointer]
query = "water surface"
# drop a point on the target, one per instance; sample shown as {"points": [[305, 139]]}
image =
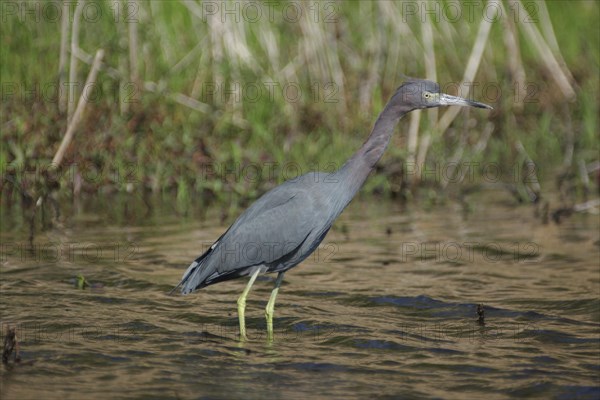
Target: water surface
{"points": [[385, 308]]}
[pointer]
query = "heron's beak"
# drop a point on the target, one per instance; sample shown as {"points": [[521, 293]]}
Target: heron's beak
{"points": [[447, 100]]}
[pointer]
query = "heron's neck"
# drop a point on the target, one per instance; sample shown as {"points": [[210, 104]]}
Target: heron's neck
{"points": [[356, 170]]}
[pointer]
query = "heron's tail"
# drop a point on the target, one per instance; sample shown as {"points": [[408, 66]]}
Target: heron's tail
{"points": [[194, 277]]}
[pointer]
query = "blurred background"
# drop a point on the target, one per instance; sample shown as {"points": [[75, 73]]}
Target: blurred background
{"points": [[223, 100], [134, 132]]}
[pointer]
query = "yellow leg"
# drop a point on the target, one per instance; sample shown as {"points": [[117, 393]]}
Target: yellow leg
{"points": [[242, 305], [270, 310]]}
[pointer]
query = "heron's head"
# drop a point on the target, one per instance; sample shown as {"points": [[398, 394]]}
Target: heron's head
{"points": [[417, 94]]}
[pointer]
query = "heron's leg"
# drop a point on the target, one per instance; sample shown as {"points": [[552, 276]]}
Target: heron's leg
{"points": [[271, 306], [242, 305]]}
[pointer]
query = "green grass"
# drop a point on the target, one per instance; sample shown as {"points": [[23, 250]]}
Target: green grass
{"points": [[160, 145]]}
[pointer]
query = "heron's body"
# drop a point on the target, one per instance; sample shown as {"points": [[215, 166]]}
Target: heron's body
{"points": [[254, 240], [288, 223]]}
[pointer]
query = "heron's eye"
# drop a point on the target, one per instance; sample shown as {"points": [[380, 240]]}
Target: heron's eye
{"points": [[427, 95]]}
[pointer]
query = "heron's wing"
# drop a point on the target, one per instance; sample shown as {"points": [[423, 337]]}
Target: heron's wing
{"points": [[274, 227]]}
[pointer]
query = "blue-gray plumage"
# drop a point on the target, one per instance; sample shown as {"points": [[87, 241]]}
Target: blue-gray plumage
{"points": [[287, 223]]}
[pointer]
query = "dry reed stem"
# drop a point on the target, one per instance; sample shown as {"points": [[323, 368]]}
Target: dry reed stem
{"points": [[132, 30], [585, 178], [62, 60], [89, 59], [484, 138], [73, 65], [532, 175], [431, 74], [546, 25], [539, 44], [589, 206], [471, 69], [515, 63], [123, 67], [151, 86], [413, 136], [133, 46], [178, 97], [550, 37], [429, 55], [188, 58], [401, 33], [374, 44], [83, 99]]}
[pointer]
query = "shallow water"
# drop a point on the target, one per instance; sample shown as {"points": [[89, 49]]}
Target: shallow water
{"points": [[385, 308]]}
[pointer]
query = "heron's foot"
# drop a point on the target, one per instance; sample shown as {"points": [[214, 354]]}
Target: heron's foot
{"points": [[241, 316], [269, 312], [269, 317], [242, 305]]}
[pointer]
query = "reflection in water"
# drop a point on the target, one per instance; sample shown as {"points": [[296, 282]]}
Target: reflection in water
{"points": [[386, 306]]}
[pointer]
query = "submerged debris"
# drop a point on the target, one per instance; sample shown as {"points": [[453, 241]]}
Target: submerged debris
{"points": [[481, 314], [10, 345]]}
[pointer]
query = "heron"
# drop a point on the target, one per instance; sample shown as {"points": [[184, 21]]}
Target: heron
{"points": [[287, 223]]}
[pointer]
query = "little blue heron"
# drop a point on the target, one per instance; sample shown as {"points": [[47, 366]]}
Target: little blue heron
{"points": [[287, 223]]}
